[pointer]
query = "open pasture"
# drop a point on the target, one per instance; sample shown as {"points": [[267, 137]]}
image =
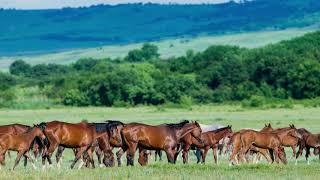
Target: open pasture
{"points": [[236, 116]]}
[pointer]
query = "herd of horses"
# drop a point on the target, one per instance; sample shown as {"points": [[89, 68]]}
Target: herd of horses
{"points": [[87, 139]]}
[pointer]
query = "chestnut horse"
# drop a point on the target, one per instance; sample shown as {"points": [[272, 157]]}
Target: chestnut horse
{"points": [[16, 129], [104, 145], [289, 137], [209, 139], [80, 136], [235, 141], [161, 137], [265, 140], [21, 143]]}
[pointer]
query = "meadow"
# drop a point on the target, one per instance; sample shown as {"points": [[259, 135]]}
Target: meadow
{"points": [[234, 115]]}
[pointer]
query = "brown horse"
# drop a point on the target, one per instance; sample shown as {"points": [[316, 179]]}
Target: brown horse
{"points": [[104, 144], [21, 143], [235, 141], [161, 137], [310, 141], [209, 140], [80, 136], [302, 143], [289, 137], [265, 140], [16, 129]]}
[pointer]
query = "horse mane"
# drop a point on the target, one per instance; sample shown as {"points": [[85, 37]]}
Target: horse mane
{"points": [[220, 129], [114, 122], [42, 125], [106, 126], [177, 125]]}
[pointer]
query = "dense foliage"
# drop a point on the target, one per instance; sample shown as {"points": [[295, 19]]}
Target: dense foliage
{"points": [[289, 69], [60, 29]]}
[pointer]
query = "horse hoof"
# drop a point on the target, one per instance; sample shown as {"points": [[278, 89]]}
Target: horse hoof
{"points": [[101, 165]]}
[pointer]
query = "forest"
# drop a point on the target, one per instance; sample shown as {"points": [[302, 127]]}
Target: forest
{"points": [[286, 70]]}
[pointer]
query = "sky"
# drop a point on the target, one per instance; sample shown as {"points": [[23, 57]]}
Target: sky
{"points": [[53, 4]]}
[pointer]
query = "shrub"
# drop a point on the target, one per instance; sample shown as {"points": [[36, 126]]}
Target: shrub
{"points": [[75, 98]]}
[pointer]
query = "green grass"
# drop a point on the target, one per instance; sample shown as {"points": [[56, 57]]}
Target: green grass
{"points": [[237, 116], [167, 48]]}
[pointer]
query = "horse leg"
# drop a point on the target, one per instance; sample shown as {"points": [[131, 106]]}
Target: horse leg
{"points": [[78, 156], [198, 154], [307, 154], [185, 153], [90, 156], [20, 153], [204, 154], [160, 154], [99, 153], [132, 147], [108, 159], [47, 155], [27, 156], [214, 150], [293, 147], [119, 155], [59, 155], [265, 154]]}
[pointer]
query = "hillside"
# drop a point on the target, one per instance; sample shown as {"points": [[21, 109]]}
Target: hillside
{"points": [[167, 48], [41, 31]]}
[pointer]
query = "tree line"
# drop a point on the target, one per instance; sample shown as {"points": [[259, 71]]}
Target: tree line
{"points": [[289, 69]]}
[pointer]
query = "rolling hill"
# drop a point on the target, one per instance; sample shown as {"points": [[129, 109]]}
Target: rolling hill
{"points": [[167, 48], [25, 32]]}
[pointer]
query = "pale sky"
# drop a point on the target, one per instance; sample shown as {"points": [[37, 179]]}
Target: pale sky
{"points": [[52, 4]]}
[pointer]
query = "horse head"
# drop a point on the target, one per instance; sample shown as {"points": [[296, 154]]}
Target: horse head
{"points": [[38, 131], [114, 130], [293, 131], [267, 128], [196, 131]]}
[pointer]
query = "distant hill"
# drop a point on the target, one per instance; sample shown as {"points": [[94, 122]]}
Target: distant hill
{"points": [[41, 31]]}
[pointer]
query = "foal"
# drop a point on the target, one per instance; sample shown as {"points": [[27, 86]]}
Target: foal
{"points": [[262, 140], [209, 140], [20, 143], [235, 141]]}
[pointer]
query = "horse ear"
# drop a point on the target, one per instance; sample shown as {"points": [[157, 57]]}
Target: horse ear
{"points": [[269, 125]]}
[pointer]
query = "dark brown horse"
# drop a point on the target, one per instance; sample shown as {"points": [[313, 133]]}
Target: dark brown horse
{"points": [[161, 137], [265, 140], [111, 140], [209, 140], [309, 141], [302, 142], [80, 136], [235, 141], [21, 143]]}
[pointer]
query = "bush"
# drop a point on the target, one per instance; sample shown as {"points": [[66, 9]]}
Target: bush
{"points": [[254, 101], [75, 98], [118, 103], [186, 102]]}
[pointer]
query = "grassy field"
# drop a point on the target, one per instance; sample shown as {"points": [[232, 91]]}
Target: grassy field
{"points": [[167, 48], [234, 115]]}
